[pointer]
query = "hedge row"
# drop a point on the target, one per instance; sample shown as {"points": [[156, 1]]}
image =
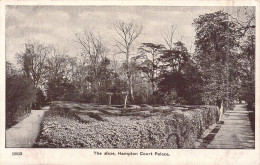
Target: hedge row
{"points": [[177, 129]]}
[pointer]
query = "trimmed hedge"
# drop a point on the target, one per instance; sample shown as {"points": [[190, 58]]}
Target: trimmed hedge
{"points": [[176, 129]]}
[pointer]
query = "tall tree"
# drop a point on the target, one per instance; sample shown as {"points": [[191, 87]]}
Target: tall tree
{"points": [[127, 32], [33, 62], [172, 71], [216, 43], [57, 74], [244, 18], [149, 55], [93, 52], [176, 58]]}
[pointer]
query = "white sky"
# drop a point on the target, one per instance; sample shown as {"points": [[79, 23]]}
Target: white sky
{"points": [[58, 24]]}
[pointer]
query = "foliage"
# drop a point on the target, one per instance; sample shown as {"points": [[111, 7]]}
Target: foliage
{"points": [[60, 89], [179, 76], [222, 67], [216, 43], [175, 59], [40, 99], [118, 87], [20, 94], [33, 62], [247, 58], [149, 55], [165, 129], [127, 33]]}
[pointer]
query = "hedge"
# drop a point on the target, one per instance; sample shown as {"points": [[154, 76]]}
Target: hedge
{"points": [[174, 129]]}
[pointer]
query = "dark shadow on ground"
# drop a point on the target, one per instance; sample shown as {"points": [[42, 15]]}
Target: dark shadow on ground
{"points": [[210, 137]]}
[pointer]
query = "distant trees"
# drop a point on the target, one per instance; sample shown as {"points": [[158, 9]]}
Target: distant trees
{"points": [[171, 71], [222, 67], [93, 53], [58, 76]]}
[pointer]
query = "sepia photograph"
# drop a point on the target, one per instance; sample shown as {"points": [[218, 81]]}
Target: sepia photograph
{"points": [[130, 77]]}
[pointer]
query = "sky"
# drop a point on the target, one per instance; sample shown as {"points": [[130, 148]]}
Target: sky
{"points": [[58, 25]]}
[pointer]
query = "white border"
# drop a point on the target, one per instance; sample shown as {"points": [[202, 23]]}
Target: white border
{"points": [[86, 156]]}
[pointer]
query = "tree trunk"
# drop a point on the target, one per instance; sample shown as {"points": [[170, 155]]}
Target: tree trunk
{"points": [[152, 87], [221, 110], [109, 101], [125, 101], [147, 92], [131, 88], [95, 90], [129, 77]]}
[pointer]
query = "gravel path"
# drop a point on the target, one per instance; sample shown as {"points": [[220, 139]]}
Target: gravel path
{"points": [[24, 133], [236, 132]]}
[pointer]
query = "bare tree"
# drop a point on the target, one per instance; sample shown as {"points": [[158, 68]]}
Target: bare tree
{"points": [[92, 46], [245, 20], [93, 52], [33, 62], [57, 62], [127, 32], [168, 36]]}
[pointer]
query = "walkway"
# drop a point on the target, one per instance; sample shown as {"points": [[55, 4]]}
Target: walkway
{"points": [[236, 132], [24, 134]]}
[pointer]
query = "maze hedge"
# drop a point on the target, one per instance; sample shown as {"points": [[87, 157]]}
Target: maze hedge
{"points": [[64, 128]]}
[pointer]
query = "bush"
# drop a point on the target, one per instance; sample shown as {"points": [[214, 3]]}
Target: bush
{"points": [[85, 98], [102, 98], [20, 94], [40, 100], [174, 129]]}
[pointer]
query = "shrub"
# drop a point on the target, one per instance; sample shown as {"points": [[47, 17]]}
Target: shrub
{"points": [[40, 99], [85, 98], [57, 110], [176, 129], [20, 94]]}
